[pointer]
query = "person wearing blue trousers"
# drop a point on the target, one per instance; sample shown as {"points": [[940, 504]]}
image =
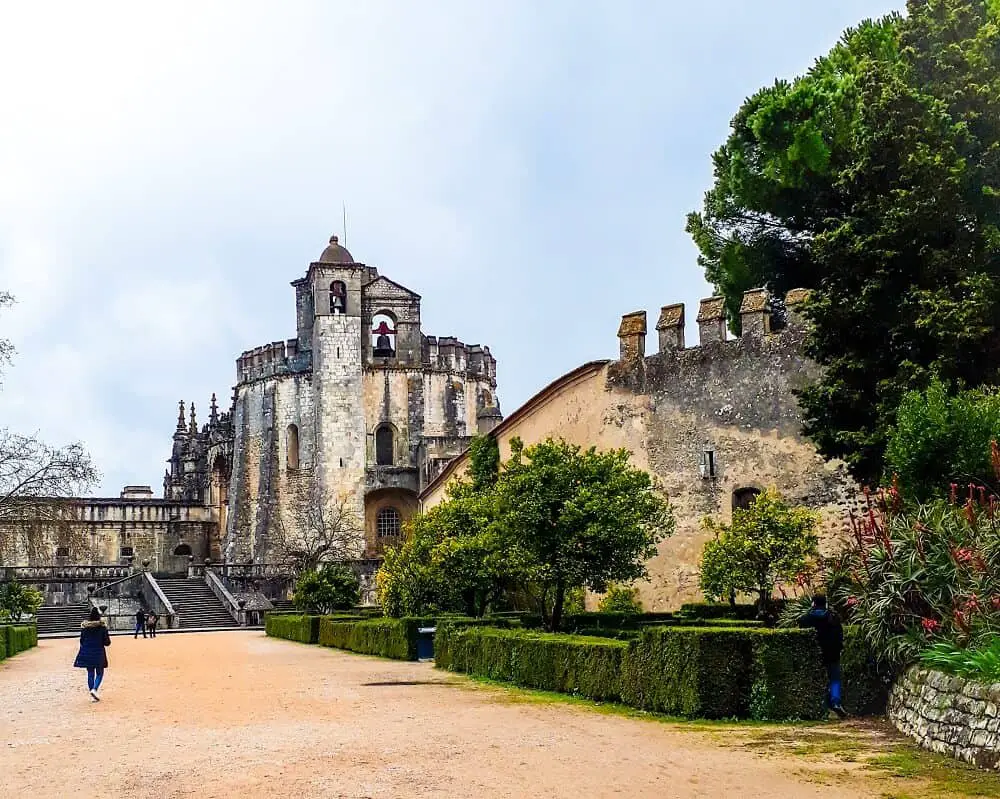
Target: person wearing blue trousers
{"points": [[93, 655], [830, 634]]}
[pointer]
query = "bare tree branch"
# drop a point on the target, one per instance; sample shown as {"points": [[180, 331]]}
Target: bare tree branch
{"points": [[314, 527]]}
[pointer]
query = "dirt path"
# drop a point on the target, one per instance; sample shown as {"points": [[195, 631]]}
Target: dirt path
{"points": [[237, 714]]}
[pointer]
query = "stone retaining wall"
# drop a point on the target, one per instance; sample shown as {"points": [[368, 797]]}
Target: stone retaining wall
{"points": [[949, 715]]}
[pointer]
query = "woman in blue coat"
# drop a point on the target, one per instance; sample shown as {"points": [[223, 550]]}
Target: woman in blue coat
{"points": [[94, 639]]}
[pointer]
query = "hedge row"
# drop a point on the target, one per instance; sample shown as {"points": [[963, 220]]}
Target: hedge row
{"points": [[717, 610], [15, 638], [298, 627], [388, 638], [569, 664], [694, 672]]}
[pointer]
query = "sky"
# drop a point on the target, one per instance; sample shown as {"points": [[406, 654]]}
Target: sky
{"points": [[526, 167]]}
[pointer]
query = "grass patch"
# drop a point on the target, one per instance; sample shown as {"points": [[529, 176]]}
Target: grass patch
{"points": [[947, 777]]}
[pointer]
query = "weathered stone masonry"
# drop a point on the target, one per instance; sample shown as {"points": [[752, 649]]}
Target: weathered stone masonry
{"points": [[360, 405], [949, 715], [714, 423]]}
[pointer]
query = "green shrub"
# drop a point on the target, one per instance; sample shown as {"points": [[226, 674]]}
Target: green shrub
{"points": [[388, 638], [689, 671], [15, 638], [866, 679], [304, 629], [981, 663], [621, 599], [717, 610], [569, 664], [788, 680], [330, 588], [743, 624]]}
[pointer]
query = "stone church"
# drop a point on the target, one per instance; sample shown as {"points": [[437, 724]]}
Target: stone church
{"points": [[360, 409]]}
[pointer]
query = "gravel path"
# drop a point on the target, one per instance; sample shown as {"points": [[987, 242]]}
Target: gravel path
{"points": [[236, 714]]}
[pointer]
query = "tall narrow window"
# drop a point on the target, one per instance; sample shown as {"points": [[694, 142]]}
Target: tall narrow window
{"points": [[383, 446], [292, 447], [338, 297]]}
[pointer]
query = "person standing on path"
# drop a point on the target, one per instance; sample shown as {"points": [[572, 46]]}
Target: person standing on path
{"points": [[830, 633], [93, 656], [151, 621], [140, 623]]}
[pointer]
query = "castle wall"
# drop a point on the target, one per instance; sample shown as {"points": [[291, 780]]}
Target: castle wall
{"points": [[732, 397]]}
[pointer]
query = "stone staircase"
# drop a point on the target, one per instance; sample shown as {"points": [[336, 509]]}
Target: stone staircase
{"points": [[54, 619], [195, 603]]}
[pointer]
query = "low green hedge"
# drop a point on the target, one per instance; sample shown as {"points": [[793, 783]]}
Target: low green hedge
{"points": [[695, 672], [16, 638], [292, 627], [569, 664], [389, 638], [717, 610], [866, 680]]}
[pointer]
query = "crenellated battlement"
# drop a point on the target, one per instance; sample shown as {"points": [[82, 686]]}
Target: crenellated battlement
{"points": [[449, 354], [755, 321], [266, 360]]}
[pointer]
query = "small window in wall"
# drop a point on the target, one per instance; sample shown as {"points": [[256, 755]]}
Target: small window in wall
{"points": [[383, 335], [744, 497], [387, 524], [384, 446], [62, 552], [126, 552], [182, 550], [292, 447], [338, 297]]}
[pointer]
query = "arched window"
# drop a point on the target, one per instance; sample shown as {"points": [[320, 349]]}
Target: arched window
{"points": [[744, 497], [384, 446], [387, 524], [182, 550], [292, 447], [338, 297]]}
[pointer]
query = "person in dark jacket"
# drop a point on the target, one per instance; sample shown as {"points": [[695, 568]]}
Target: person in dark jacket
{"points": [[140, 623], [830, 633], [93, 656], [151, 621]]}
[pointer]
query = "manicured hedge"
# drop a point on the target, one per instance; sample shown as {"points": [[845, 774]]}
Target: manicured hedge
{"points": [[389, 638], [570, 664], [304, 629], [717, 610], [866, 681], [15, 638], [694, 672]]}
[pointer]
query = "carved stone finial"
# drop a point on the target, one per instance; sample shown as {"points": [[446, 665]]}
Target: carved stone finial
{"points": [[671, 327], [755, 313], [632, 336], [180, 415], [712, 319]]}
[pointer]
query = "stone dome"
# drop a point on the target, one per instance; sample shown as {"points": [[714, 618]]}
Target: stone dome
{"points": [[335, 254]]}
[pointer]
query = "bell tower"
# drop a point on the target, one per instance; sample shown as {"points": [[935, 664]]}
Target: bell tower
{"points": [[336, 340]]}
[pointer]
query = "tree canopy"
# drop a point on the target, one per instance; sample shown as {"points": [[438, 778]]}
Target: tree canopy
{"points": [[583, 517], [766, 542], [873, 179]]}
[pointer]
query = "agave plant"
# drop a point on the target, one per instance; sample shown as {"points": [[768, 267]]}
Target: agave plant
{"points": [[924, 574]]}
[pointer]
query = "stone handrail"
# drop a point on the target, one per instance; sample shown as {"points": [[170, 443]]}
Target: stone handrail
{"points": [[219, 589], [63, 573], [165, 609]]}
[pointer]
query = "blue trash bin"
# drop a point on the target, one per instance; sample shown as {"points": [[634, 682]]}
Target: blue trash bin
{"points": [[425, 643]]}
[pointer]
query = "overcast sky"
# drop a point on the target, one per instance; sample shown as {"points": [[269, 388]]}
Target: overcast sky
{"points": [[166, 170]]}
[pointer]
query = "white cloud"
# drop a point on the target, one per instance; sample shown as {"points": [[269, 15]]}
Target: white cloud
{"points": [[167, 170]]}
